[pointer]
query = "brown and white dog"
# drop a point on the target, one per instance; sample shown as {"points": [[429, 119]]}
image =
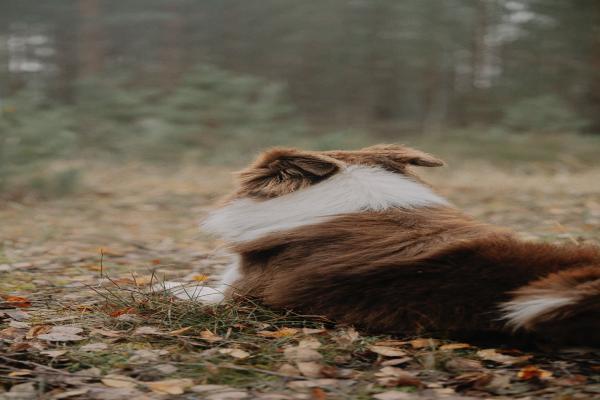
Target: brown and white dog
{"points": [[357, 237]]}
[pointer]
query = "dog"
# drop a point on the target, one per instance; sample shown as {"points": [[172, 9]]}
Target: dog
{"points": [[358, 237]]}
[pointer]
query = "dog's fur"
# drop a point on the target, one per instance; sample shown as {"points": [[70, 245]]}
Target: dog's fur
{"points": [[357, 237]]}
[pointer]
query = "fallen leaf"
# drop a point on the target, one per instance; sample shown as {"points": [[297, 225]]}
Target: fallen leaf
{"points": [[17, 301], [209, 336], [21, 372], [387, 351], [37, 330], [53, 353], [313, 331], [391, 376], [421, 343], [200, 278], [69, 393], [310, 369], [493, 355], [122, 311], [63, 333], [235, 353], [532, 372], [170, 386], [119, 381], [301, 354], [94, 347], [455, 346], [283, 332], [146, 330], [318, 393], [463, 364], [396, 361], [179, 331], [106, 333], [310, 343]]}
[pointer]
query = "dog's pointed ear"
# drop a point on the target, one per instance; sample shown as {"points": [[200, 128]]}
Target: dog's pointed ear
{"points": [[280, 171], [406, 155]]}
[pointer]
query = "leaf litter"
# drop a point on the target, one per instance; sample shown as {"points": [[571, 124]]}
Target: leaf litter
{"points": [[78, 318]]}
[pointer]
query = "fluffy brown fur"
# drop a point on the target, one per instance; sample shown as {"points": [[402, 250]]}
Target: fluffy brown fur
{"points": [[408, 270]]}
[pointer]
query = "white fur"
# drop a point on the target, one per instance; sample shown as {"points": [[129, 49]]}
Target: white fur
{"points": [[201, 293], [521, 312], [354, 189]]}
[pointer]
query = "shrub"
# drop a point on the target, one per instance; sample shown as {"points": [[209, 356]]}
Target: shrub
{"points": [[546, 113]]}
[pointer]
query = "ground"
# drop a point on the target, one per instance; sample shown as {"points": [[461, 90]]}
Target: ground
{"points": [[79, 321]]}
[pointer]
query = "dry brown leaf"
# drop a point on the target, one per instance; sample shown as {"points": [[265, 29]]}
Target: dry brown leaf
{"points": [[16, 301], [532, 372], [455, 346], [94, 347], [170, 386], [209, 336], [310, 369], [422, 343], [391, 376], [106, 333], [289, 369], [63, 333], [235, 353], [318, 394], [387, 351], [53, 353], [309, 343], [283, 332], [301, 354], [463, 364], [392, 343], [396, 361], [70, 393], [179, 331], [119, 381], [311, 331], [146, 330], [493, 355], [37, 330]]}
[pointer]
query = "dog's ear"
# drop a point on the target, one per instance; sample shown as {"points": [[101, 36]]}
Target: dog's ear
{"points": [[405, 155], [281, 171]]}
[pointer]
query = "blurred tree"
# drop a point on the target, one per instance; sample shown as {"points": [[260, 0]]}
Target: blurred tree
{"points": [[389, 65]]}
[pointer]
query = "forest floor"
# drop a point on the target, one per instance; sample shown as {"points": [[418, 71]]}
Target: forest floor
{"points": [[78, 321]]}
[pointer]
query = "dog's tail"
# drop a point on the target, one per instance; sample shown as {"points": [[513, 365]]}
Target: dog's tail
{"points": [[566, 301]]}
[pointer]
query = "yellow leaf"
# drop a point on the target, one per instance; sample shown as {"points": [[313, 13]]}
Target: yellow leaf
{"points": [[283, 332], [200, 278]]}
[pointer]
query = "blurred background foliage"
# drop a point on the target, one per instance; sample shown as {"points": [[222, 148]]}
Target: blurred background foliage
{"points": [[215, 80]]}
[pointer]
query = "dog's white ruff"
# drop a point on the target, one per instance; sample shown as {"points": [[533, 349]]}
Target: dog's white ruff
{"points": [[354, 189]]}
